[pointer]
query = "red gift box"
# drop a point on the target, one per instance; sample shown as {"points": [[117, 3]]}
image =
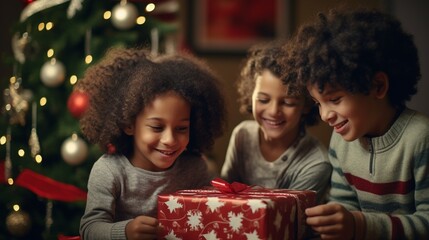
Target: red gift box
{"points": [[234, 211]]}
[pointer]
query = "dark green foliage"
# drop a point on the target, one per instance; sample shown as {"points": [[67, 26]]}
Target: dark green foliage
{"points": [[54, 121]]}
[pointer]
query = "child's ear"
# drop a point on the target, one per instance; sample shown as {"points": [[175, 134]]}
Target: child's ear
{"points": [[129, 130], [380, 83]]}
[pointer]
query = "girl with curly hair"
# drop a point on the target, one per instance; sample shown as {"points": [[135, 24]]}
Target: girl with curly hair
{"points": [[361, 67], [274, 150], [153, 117]]}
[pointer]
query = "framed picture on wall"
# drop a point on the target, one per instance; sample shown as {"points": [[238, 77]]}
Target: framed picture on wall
{"points": [[232, 26]]}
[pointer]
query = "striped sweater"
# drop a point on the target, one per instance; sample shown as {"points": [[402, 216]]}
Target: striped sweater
{"points": [[386, 178]]}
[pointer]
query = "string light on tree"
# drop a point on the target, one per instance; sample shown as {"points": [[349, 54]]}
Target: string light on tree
{"points": [[53, 43], [166, 10]]}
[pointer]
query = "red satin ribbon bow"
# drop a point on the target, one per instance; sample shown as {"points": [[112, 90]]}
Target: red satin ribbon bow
{"points": [[49, 188], [226, 187]]}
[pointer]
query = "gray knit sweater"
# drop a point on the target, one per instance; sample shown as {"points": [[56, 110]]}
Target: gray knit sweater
{"points": [[119, 192], [387, 178], [303, 166]]}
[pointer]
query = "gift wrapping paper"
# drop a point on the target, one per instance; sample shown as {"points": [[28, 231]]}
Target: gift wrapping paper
{"points": [[249, 213]]}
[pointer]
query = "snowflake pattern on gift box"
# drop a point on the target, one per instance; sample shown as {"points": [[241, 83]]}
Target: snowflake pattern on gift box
{"points": [[172, 236], [256, 204], [213, 203], [197, 215], [173, 204], [235, 221], [278, 220], [252, 236], [292, 218], [211, 235], [194, 220]]}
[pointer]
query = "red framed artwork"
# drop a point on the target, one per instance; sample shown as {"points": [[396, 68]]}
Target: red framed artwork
{"points": [[232, 26]]}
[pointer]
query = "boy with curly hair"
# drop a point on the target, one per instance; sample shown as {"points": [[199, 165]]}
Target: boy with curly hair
{"points": [[153, 118], [360, 67], [274, 149]]}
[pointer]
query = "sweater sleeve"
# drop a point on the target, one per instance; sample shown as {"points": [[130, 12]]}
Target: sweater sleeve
{"points": [[341, 191], [309, 169], [406, 226], [314, 178], [98, 219], [230, 167], [397, 206]]}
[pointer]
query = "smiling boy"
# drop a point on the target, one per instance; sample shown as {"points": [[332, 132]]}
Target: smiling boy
{"points": [[360, 68]]}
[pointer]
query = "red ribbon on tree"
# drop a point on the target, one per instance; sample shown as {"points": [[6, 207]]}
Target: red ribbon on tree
{"points": [[49, 188], [63, 237], [226, 187]]}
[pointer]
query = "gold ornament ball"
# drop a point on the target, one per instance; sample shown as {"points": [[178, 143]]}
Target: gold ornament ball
{"points": [[18, 223]]}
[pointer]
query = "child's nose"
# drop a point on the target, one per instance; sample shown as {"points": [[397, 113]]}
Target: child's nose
{"points": [[273, 108], [326, 114], [168, 137]]}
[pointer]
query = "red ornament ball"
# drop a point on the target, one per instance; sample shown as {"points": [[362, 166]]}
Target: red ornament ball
{"points": [[77, 103], [111, 149], [26, 2]]}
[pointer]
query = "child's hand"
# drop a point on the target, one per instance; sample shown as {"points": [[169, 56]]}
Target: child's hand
{"points": [[332, 221], [142, 227]]}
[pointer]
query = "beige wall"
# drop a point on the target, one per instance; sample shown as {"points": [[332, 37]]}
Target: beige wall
{"points": [[228, 67]]}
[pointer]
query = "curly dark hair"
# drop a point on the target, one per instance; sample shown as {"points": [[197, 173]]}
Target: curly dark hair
{"points": [[270, 56], [191, 78], [127, 80], [345, 48]]}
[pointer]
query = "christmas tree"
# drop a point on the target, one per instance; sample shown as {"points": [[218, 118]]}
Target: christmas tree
{"points": [[45, 161]]}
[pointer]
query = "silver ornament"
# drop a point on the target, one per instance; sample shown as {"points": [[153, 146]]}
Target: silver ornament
{"points": [[74, 150], [124, 15], [53, 73]]}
